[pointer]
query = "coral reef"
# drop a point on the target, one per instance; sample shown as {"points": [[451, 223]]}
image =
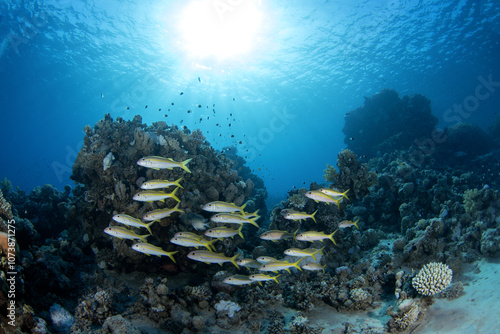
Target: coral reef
{"points": [[386, 122], [352, 175], [465, 139]]}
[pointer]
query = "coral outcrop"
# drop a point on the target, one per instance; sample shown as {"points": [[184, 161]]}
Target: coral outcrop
{"points": [[432, 278], [387, 122]]}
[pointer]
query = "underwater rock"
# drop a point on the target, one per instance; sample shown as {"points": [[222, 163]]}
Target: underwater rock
{"points": [[386, 123], [490, 242], [62, 320], [118, 324]]}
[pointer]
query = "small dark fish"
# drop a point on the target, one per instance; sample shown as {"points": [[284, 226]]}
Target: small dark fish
{"points": [[146, 106], [234, 99], [213, 106], [217, 124], [159, 109], [128, 108], [198, 105], [165, 115], [208, 117], [232, 136], [182, 121], [231, 114], [102, 95], [201, 119], [199, 80], [240, 142], [352, 138], [189, 111], [172, 103], [229, 124], [182, 93]]}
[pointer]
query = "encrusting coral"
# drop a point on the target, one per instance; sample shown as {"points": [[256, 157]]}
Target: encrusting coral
{"points": [[432, 278]]}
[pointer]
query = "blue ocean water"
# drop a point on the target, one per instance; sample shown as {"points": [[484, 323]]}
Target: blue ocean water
{"points": [[65, 64]]}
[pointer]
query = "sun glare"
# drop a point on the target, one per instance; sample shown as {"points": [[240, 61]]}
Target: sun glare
{"points": [[220, 29]]}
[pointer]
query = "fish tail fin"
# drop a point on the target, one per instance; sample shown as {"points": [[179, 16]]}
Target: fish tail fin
{"points": [[210, 244], [337, 201], [176, 207], [296, 264], [256, 213], [331, 237], [176, 182], [171, 255], [295, 234], [143, 237], [344, 194], [275, 278], [312, 216], [321, 250], [242, 208], [233, 260], [260, 283], [148, 226], [356, 223], [172, 195], [286, 270], [184, 163], [239, 232], [324, 268], [252, 221]]}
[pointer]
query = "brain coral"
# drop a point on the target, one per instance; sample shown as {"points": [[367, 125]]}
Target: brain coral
{"points": [[433, 278]]}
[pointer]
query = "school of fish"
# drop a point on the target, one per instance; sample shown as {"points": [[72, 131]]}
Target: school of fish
{"points": [[224, 213]]}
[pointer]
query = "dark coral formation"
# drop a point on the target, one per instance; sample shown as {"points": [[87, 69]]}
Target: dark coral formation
{"points": [[387, 122], [465, 139]]}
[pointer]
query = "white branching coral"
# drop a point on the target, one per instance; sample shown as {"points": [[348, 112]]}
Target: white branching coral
{"points": [[433, 278]]}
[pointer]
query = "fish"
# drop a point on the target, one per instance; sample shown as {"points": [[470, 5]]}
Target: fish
{"points": [[300, 215], [304, 252], [230, 218], [159, 214], [334, 193], [157, 163], [219, 206], [123, 233], [154, 195], [348, 223], [275, 235], [189, 242], [189, 235], [315, 236], [149, 249], [250, 215], [197, 221], [313, 266], [238, 280], [263, 278], [266, 259], [211, 257], [285, 211], [131, 221], [280, 265], [318, 196], [158, 184], [249, 263], [224, 232]]}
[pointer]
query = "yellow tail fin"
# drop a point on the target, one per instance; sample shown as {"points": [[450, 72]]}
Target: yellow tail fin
{"points": [[172, 195], [312, 216], [344, 194], [176, 182], [331, 237], [184, 163], [233, 260], [296, 264], [356, 223], [275, 278], [239, 232]]}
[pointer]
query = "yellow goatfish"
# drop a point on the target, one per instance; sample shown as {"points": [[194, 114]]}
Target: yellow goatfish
{"points": [[231, 218], [158, 184], [299, 215], [314, 266], [263, 278], [219, 206], [304, 252], [155, 195], [157, 163], [249, 263], [347, 223], [188, 242], [149, 249], [211, 257], [315, 236], [285, 211], [334, 193], [224, 232], [189, 235], [238, 280], [318, 196], [280, 265], [131, 221], [123, 233], [159, 214], [266, 259], [275, 235]]}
